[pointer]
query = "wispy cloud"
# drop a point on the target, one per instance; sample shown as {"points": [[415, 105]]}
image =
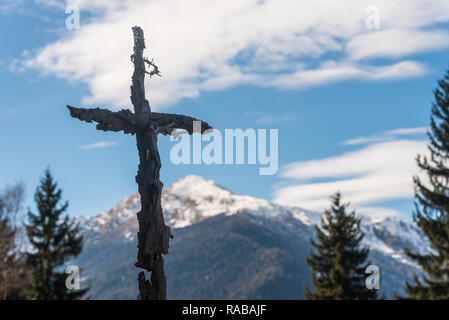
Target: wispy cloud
{"points": [[384, 43], [407, 131], [8, 5], [386, 136], [98, 145], [276, 43], [331, 71], [367, 177]]}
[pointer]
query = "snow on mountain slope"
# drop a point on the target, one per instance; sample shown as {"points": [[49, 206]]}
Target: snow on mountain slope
{"points": [[392, 235], [193, 199]]}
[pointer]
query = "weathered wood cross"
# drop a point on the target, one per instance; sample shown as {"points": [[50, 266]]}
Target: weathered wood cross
{"points": [[153, 236]]}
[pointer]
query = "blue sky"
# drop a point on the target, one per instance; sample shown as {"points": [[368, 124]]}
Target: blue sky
{"points": [[351, 104]]}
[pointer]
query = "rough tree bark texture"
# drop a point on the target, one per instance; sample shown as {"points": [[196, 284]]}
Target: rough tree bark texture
{"points": [[154, 235]]}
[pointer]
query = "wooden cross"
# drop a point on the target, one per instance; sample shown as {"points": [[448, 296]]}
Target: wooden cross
{"points": [[153, 235]]}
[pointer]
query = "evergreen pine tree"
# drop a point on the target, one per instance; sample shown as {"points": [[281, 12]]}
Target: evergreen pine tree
{"points": [[432, 204], [338, 265], [55, 239]]}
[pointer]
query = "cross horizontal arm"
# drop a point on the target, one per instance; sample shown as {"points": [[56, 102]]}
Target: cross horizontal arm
{"points": [[165, 123], [125, 120], [106, 120]]}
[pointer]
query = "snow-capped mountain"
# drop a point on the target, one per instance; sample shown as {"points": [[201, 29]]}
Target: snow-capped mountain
{"points": [[193, 202]]}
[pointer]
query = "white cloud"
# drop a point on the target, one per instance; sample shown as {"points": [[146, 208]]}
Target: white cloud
{"points": [[93, 5], [386, 136], [98, 145], [366, 177], [396, 43], [332, 72], [277, 43], [408, 131], [365, 140]]}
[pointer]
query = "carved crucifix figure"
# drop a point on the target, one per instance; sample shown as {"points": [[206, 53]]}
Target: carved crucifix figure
{"points": [[153, 235]]}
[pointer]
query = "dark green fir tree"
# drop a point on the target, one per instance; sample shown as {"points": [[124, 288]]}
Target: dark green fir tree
{"points": [[432, 204], [339, 261], [55, 239]]}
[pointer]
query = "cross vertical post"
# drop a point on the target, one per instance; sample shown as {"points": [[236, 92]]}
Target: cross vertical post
{"points": [[153, 235]]}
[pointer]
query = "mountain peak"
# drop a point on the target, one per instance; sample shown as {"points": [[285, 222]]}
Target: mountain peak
{"points": [[196, 187], [191, 200]]}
